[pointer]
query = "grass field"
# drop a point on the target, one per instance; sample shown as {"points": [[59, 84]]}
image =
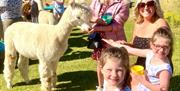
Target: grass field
{"points": [[77, 71]]}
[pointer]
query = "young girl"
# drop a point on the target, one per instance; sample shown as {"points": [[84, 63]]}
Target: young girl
{"points": [[158, 65], [114, 63]]}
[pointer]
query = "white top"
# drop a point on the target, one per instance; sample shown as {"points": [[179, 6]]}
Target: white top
{"points": [[152, 71]]}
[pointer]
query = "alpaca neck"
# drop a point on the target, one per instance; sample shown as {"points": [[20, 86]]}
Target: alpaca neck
{"points": [[65, 25]]}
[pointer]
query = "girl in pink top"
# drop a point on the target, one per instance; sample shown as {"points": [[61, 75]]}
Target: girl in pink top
{"points": [[119, 10]]}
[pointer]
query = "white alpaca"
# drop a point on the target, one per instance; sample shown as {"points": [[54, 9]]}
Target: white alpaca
{"points": [[44, 42], [46, 17]]}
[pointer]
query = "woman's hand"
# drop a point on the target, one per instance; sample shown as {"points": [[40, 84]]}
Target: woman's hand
{"points": [[85, 28], [101, 22], [95, 28], [98, 21]]}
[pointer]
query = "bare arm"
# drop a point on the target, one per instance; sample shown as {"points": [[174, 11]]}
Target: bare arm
{"points": [[164, 77], [131, 50]]}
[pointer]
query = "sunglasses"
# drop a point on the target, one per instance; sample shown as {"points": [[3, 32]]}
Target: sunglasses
{"points": [[148, 4]]}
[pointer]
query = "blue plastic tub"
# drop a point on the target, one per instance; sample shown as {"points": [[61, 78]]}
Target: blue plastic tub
{"points": [[1, 46]]}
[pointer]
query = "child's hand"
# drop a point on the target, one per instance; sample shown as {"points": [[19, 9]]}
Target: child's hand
{"points": [[123, 42], [113, 43], [139, 78]]}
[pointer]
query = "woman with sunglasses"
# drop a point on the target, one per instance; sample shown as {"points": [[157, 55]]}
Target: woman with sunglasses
{"points": [[148, 18]]}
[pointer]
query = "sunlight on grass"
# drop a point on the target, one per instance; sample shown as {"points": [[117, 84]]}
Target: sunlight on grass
{"points": [[77, 71]]}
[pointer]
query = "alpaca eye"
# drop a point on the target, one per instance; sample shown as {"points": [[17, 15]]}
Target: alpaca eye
{"points": [[78, 17]]}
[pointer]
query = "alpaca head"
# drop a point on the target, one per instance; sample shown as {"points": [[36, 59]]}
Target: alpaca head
{"points": [[80, 14]]}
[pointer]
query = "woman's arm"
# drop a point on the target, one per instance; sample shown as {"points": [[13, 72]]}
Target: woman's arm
{"points": [[105, 28]]}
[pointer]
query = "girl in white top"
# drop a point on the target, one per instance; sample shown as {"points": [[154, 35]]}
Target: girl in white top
{"points": [[114, 64], [158, 67]]}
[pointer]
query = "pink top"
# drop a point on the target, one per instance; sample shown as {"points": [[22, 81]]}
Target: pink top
{"points": [[120, 12]]}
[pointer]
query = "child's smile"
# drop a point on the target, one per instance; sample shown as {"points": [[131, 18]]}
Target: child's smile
{"points": [[113, 72], [161, 47]]}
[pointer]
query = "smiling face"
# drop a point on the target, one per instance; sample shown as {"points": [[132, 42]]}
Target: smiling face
{"points": [[147, 9], [161, 47], [113, 72]]}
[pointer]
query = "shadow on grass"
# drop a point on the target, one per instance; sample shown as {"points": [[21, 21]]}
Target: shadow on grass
{"points": [[175, 83], [77, 81], [76, 55], [1, 62], [72, 81], [1, 66], [78, 34], [77, 42], [32, 82]]}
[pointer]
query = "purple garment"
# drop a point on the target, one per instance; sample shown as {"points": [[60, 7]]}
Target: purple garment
{"points": [[120, 12]]}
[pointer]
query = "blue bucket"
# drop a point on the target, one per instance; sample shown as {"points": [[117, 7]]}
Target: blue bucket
{"points": [[1, 46]]}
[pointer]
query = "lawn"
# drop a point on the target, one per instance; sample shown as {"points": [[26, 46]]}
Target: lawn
{"points": [[77, 71]]}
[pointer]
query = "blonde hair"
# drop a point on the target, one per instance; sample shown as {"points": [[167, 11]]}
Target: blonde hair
{"points": [[122, 55], [158, 11]]}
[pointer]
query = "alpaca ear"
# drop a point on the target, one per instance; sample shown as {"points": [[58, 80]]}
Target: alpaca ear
{"points": [[72, 3]]}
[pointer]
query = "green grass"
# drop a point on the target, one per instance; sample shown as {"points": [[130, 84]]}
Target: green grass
{"points": [[77, 71]]}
